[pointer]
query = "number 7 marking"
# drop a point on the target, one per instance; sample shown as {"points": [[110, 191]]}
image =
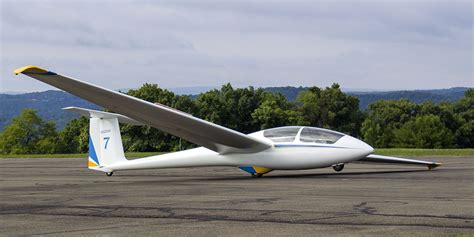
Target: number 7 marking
{"points": [[106, 139]]}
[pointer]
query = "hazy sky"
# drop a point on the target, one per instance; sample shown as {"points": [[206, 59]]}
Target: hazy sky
{"points": [[123, 44]]}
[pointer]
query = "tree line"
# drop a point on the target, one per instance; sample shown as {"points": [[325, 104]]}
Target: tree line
{"points": [[385, 124]]}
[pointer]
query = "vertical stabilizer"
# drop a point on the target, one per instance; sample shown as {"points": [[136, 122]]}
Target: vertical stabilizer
{"points": [[105, 142]]}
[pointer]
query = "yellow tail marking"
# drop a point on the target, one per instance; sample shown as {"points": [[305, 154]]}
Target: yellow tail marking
{"points": [[91, 164]]}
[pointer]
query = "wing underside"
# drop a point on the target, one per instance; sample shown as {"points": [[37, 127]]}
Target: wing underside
{"points": [[102, 114], [397, 160], [175, 122]]}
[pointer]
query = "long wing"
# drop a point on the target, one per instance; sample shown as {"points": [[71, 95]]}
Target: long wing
{"points": [[396, 160], [172, 121]]}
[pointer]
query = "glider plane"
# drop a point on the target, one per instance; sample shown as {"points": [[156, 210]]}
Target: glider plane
{"points": [[282, 148]]}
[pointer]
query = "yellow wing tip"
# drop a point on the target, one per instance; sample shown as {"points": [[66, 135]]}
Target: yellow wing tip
{"points": [[30, 68]]}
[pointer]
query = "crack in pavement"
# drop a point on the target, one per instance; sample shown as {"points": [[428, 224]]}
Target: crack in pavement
{"points": [[228, 214]]}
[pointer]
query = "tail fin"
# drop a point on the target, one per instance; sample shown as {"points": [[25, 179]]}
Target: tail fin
{"points": [[105, 141]]}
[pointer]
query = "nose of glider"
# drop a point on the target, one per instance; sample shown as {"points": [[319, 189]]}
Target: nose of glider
{"points": [[366, 147], [351, 142]]}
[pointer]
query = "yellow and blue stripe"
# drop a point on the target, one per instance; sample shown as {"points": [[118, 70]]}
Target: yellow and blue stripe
{"points": [[93, 159], [255, 169]]}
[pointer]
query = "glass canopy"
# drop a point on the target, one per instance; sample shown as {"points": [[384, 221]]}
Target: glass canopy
{"points": [[308, 134], [283, 134], [317, 135]]}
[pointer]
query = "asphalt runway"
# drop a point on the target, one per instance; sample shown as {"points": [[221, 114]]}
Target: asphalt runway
{"points": [[61, 197]]}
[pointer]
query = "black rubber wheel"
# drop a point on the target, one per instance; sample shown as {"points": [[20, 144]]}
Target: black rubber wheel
{"points": [[257, 175], [338, 167], [109, 173]]}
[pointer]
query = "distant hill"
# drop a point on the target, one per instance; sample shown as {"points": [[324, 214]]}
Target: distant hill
{"points": [[368, 97], [50, 103], [289, 91], [416, 96]]}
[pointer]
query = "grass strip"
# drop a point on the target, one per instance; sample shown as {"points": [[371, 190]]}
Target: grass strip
{"points": [[424, 152]]}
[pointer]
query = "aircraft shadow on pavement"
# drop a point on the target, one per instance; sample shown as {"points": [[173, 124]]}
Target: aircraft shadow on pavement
{"points": [[219, 177], [296, 176], [346, 173]]}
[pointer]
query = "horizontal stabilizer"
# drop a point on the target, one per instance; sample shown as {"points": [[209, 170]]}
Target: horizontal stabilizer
{"points": [[101, 114], [397, 160]]}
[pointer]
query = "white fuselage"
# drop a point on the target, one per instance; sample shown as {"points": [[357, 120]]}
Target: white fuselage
{"points": [[281, 156]]}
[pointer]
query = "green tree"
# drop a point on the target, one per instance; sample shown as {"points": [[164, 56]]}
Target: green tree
{"points": [[28, 134], [185, 103], [74, 138], [231, 107], [146, 138], [331, 108], [465, 135], [464, 116], [153, 93], [276, 111], [424, 131], [383, 117]]}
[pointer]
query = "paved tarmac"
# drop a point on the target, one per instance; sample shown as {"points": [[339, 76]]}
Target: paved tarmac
{"points": [[60, 197]]}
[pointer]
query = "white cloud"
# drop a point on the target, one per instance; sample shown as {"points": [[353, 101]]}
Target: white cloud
{"points": [[122, 44]]}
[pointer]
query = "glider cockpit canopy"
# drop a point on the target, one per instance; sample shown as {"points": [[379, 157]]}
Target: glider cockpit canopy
{"points": [[302, 134]]}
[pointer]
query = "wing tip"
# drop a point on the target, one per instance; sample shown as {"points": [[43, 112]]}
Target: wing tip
{"points": [[69, 108], [434, 165], [33, 69]]}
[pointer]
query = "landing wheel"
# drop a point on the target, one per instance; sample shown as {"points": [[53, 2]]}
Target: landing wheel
{"points": [[257, 175], [109, 173], [338, 167]]}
